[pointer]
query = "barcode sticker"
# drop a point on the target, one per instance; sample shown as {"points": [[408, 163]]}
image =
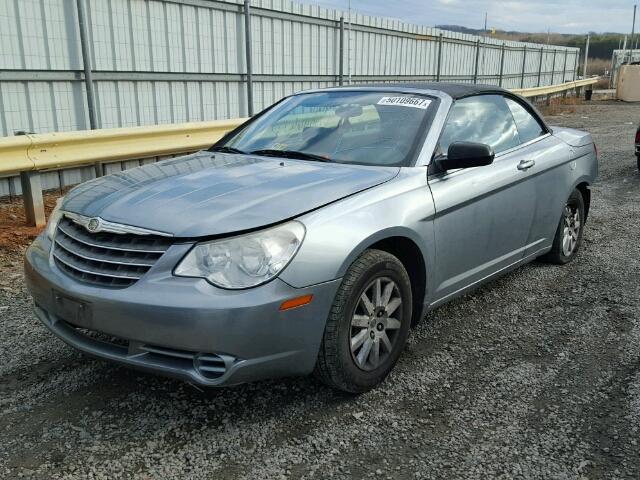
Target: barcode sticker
{"points": [[413, 102]]}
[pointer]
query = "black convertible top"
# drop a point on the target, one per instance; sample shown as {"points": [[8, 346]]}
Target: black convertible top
{"points": [[454, 90]]}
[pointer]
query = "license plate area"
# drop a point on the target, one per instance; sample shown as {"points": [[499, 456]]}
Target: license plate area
{"points": [[71, 310]]}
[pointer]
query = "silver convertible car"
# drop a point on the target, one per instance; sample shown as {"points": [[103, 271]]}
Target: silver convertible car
{"points": [[312, 237]]}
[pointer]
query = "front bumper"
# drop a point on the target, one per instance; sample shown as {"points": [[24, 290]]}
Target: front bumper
{"points": [[182, 327]]}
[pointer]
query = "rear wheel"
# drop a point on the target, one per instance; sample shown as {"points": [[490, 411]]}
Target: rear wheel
{"points": [[568, 237], [368, 324]]}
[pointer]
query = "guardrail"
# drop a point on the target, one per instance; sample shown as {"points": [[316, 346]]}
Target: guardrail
{"points": [[553, 89], [68, 149], [29, 154]]}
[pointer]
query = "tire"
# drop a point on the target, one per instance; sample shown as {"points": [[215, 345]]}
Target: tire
{"points": [[563, 250], [359, 370], [638, 160]]}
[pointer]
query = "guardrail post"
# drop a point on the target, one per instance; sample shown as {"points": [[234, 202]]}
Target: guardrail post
{"points": [[32, 198], [475, 68], [439, 58], [524, 66], [247, 49], [88, 74], [540, 66], [501, 64], [341, 60]]}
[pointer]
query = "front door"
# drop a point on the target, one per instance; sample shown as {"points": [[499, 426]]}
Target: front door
{"points": [[483, 214]]}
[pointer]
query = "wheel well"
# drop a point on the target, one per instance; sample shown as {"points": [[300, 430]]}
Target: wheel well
{"points": [[409, 254], [583, 188]]}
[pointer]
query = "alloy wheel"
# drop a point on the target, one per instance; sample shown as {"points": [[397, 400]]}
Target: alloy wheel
{"points": [[375, 323], [571, 229]]}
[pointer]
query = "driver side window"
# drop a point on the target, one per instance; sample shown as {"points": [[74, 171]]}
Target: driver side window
{"points": [[483, 119]]}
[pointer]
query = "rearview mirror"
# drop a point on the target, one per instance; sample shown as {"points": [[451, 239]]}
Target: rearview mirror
{"points": [[467, 155], [349, 111]]}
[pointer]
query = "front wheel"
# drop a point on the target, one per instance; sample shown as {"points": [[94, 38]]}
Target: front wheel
{"points": [[368, 324], [568, 238]]}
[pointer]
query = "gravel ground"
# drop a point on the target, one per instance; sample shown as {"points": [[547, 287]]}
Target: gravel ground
{"points": [[536, 375]]}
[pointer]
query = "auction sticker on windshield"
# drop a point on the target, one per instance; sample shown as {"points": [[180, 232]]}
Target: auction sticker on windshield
{"points": [[414, 102]]}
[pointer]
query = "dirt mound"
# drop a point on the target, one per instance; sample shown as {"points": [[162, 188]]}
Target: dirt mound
{"points": [[15, 235]]}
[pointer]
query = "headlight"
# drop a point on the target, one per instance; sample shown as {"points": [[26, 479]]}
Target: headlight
{"points": [[54, 218], [244, 261]]}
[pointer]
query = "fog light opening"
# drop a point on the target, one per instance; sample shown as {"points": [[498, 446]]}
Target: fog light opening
{"points": [[295, 302]]}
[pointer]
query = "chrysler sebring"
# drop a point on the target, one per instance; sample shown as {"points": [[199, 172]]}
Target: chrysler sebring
{"points": [[312, 237]]}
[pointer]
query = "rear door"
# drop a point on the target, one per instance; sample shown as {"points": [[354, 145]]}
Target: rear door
{"points": [[483, 214]]}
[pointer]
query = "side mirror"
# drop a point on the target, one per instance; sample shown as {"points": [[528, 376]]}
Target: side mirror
{"points": [[467, 155]]}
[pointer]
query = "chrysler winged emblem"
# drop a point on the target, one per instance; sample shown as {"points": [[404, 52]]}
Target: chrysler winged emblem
{"points": [[97, 224], [93, 225]]}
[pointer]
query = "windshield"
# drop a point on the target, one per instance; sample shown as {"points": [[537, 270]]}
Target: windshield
{"points": [[369, 128]]}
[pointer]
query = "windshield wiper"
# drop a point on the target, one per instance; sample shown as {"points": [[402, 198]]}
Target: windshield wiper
{"points": [[224, 149], [291, 154]]}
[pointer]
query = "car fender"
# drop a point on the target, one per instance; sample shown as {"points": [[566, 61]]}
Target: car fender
{"points": [[585, 167], [580, 170], [584, 164], [336, 234], [399, 231], [579, 181]]}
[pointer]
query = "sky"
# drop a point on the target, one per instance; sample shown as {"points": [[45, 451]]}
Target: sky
{"points": [[561, 16]]}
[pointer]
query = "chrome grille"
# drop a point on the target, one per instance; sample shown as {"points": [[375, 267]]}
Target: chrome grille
{"points": [[106, 259]]}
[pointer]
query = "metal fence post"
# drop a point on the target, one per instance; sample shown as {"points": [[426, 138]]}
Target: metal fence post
{"points": [[614, 68], [586, 50], [540, 66], [501, 64], [88, 75], [630, 51], [32, 198], [564, 67], [247, 48], [341, 60], [439, 58], [553, 69], [475, 68], [524, 66]]}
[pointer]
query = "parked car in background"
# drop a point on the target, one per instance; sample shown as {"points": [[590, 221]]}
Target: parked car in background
{"points": [[311, 238]]}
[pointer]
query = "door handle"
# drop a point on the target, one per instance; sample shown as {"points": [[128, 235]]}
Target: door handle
{"points": [[526, 164]]}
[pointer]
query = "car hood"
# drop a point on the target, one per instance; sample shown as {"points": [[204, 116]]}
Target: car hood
{"points": [[207, 193]]}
